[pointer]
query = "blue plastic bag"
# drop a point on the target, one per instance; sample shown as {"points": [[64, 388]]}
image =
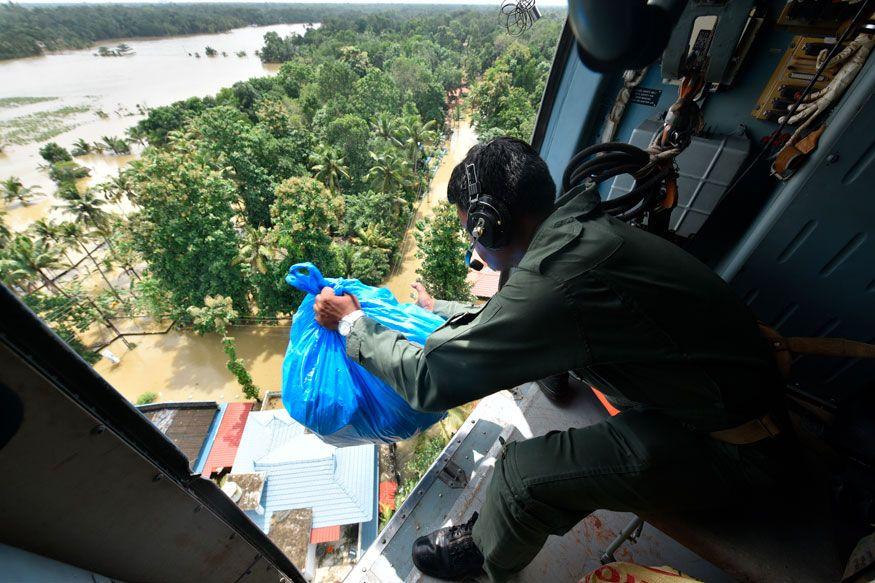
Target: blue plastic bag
{"points": [[330, 394]]}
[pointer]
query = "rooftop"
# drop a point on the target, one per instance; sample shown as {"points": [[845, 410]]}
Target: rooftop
{"points": [[187, 425], [227, 440], [302, 471], [290, 531], [251, 486]]}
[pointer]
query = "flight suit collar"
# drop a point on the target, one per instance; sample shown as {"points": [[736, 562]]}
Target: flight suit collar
{"points": [[562, 226]]}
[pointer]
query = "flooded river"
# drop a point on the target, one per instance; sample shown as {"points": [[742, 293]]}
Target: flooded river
{"points": [[76, 85], [179, 365]]}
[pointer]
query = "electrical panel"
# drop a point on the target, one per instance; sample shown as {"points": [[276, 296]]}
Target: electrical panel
{"points": [[792, 75]]}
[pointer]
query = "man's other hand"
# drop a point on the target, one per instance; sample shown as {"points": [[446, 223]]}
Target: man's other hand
{"points": [[423, 298], [330, 308]]}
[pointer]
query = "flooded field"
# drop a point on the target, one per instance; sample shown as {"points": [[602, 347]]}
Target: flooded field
{"points": [[80, 95]]}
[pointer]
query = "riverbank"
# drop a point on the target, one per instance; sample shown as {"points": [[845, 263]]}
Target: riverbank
{"points": [[162, 71]]}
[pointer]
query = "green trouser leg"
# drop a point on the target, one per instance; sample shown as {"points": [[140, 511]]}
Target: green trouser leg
{"points": [[637, 461]]}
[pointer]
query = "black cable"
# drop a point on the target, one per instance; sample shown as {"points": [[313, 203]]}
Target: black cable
{"points": [[795, 105], [600, 162]]}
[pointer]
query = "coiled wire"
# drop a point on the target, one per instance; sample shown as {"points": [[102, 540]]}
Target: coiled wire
{"points": [[601, 162]]}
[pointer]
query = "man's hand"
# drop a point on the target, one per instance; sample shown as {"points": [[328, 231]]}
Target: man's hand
{"points": [[330, 308], [423, 298]]}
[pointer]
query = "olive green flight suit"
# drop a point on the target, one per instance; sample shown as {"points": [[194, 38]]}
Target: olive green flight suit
{"points": [[658, 332]]}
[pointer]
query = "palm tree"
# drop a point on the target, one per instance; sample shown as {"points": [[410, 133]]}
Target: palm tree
{"points": [[80, 148], [135, 133], [117, 187], [26, 259], [87, 209], [329, 166], [257, 249], [417, 136], [14, 189], [87, 212], [372, 238], [49, 231], [389, 173], [386, 127], [116, 145], [346, 256], [5, 233]]}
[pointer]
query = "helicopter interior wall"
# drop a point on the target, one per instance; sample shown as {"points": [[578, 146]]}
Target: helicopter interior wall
{"points": [[826, 285]]}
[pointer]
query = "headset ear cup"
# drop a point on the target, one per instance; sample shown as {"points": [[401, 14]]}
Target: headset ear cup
{"points": [[496, 222]]}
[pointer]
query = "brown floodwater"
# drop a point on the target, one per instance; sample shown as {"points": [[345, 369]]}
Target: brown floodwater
{"points": [[461, 140], [160, 72], [179, 365], [182, 366]]}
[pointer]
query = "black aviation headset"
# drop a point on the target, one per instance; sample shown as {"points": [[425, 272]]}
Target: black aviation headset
{"points": [[489, 220]]}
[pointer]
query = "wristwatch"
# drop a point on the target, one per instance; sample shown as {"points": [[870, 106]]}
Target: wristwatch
{"points": [[345, 324]]}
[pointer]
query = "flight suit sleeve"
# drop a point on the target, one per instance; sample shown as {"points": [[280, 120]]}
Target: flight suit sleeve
{"points": [[527, 331], [447, 309]]}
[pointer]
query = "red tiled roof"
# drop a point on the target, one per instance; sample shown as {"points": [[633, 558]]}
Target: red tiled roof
{"points": [[326, 534], [227, 438]]}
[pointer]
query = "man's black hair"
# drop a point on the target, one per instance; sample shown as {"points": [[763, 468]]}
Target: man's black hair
{"points": [[509, 170]]}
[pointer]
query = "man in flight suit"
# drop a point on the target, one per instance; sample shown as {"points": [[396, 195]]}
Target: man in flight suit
{"points": [[631, 314]]}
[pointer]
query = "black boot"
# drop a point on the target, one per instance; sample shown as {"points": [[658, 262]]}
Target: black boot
{"points": [[449, 553], [556, 388]]}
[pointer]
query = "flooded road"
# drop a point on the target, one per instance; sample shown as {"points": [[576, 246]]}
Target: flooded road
{"points": [[161, 71], [461, 140]]}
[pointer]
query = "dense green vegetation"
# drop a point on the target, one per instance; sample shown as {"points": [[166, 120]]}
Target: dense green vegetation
{"points": [[440, 246], [29, 31], [324, 161]]}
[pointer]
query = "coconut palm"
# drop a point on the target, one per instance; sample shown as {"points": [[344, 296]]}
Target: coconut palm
{"points": [[115, 145], [417, 136], [389, 172], [372, 238], [386, 127], [88, 212], [86, 208], [26, 259], [117, 187], [346, 256], [329, 166], [73, 233], [13, 189], [49, 231], [80, 148], [135, 133], [5, 233], [257, 249]]}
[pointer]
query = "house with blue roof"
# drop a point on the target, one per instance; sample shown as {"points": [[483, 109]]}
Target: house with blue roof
{"points": [[285, 467]]}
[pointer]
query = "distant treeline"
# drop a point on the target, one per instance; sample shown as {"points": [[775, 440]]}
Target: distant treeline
{"points": [[30, 31]]}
